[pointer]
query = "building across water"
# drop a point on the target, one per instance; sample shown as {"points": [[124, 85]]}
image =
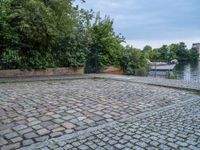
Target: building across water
{"points": [[197, 46]]}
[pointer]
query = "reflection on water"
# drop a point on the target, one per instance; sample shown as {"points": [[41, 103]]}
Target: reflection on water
{"points": [[188, 71]]}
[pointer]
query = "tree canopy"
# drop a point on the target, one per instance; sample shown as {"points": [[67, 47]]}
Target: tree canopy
{"points": [[147, 48], [45, 33], [173, 51], [32, 33]]}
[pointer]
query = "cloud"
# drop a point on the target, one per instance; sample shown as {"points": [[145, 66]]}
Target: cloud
{"points": [[158, 43], [152, 20]]}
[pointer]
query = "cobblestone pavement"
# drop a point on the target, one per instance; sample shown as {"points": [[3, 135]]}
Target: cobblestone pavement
{"points": [[36, 111], [190, 85], [174, 127]]}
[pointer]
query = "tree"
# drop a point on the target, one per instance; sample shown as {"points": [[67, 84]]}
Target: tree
{"points": [[164, 53], [147, 48], [173, 51], [182, 52], [133, 61], [152, 55], [105, 39], [194, 54], [34, 30]]}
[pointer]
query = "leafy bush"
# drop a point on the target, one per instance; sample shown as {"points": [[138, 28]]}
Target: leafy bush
{"points": [[10, 59], [30, 31], [106, 41], [71, 52], [37, 60], [133, 62]]}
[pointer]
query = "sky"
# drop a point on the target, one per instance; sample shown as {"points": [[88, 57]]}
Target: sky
{"points": [[152, 22]]}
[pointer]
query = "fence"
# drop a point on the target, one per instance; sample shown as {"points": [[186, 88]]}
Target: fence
{"points": [[179, 75], [188, 76]]}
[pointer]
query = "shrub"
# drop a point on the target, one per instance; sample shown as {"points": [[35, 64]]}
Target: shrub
{"points": [[133, 62], [31, 29], [10, 59]]}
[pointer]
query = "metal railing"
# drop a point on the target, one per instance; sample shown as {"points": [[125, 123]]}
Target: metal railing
{"points": [[188, 76], [179, 75]]}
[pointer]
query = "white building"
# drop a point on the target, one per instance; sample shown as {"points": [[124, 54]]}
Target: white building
{"points": [[197, 46]]}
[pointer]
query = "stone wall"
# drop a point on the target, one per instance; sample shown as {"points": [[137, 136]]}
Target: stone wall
{"points": [[41, 72], [112, 70]]}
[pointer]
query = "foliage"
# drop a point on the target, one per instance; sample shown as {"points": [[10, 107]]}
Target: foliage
{"points": [[37, 34], [106, 41], [182, 52], [101, 40], [71, 52], [10, 59], [133, 61], [174, 51], [194, 54], [34, 28], [46, 33], [152, 55], [147, 48]]}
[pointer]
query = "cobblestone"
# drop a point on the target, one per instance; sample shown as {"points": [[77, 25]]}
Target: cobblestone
{"points": [[3, 141], [30, 135], [27, 142], [32, 112], [171, 118], [191, 85], [11, 135]]}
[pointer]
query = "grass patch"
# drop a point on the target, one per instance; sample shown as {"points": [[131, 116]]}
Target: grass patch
{"points": [[197, 92]]}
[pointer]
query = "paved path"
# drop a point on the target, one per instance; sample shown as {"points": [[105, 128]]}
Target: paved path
{"points": [[189, 85], [172, 127], [33, 112]]}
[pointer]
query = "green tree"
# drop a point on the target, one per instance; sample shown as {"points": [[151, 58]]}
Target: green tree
{"points": [[133, 61], [152, 55], [105, 39], [32, 28], [194, 54], [164, 53], [173, 50], [147, 48], [182, 52]]}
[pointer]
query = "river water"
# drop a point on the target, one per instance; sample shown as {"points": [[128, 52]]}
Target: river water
{"points": [[188, 71]]}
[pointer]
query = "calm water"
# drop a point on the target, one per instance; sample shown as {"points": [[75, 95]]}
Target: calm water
{"points": [[188, 71]]}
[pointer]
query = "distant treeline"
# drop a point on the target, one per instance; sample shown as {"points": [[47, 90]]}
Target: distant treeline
{"points": [[169, 52]]}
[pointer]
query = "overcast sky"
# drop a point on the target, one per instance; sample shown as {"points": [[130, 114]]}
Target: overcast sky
{"points": [[152, 22]]}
